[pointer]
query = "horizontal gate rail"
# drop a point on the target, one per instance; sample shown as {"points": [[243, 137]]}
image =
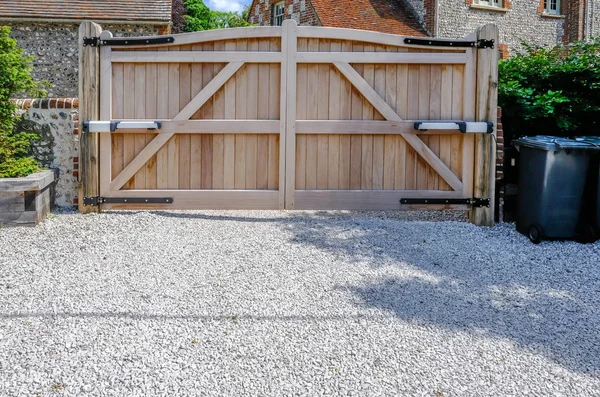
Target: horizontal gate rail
{"points": [[195, 57], [381, 57]]}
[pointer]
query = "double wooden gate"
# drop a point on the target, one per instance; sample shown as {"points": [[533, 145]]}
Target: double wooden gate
{"points": [[284, 117]]}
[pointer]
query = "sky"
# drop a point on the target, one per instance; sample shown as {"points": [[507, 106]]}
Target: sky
{"points": [[227, 5]]}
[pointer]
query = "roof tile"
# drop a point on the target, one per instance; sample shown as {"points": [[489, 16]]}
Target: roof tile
{"points": [[386, 16], [116, 10]]}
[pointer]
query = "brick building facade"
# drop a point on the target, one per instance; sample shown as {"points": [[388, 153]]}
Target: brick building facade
{"points": [[535, 22], [49, 30], [378, 15]]}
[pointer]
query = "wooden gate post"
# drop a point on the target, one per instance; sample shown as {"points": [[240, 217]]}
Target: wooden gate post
{"points": [[486, 110], [89, 109]]}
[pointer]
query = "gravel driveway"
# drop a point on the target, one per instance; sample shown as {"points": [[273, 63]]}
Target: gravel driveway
{"points": [[304, 303]]}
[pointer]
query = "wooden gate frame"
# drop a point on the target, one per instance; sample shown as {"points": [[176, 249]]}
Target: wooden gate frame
{"points": [[91, 92]]}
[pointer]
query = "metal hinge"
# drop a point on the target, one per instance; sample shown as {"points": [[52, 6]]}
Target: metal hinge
{"points": [[125, 41], [482, 43], [475, 202], [97, 200]]}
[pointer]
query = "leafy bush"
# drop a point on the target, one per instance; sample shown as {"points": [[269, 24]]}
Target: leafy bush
{"points": [[551, 91], [15, 77]]}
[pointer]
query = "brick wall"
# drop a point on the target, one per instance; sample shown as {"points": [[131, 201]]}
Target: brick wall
{"points": [[593, 22], [56, 121], [56, 51], [574, 11], [518, 21], [302, 11]]}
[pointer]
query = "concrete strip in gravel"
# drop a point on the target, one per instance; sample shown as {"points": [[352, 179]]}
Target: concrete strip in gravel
{"points": [[272, 303]]}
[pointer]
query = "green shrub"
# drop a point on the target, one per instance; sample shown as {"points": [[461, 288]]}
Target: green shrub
{"points": [[551, 91], [15, 77]]}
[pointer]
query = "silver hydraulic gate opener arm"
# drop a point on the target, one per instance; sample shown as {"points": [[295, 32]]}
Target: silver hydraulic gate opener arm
{"points": [[466, 127], [112, 126]]}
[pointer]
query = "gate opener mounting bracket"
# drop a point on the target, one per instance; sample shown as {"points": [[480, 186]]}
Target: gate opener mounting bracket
{"points": [[95, 201], [475, 202]]}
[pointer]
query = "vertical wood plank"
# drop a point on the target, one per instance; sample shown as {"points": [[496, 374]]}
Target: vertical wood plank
{"points": [[206, 156], [323, 114], [139, 180], [241, 85], [252, 114], [185, 95], [486, 110], [378, 140], [311, 114], [456, 140], [117, 113], [289, 70], [129, 98], [174, 108], [229, 139], [402, 92], [105, 114], [424, 98], [301, 114], [218, 152], [152, 114], [162, 156], [262, 144], [446, 114], [435, 108], [334, 114], [356, 140], [345, 114], [275, 145], [412, 113], [389, 157], [89, 109]]}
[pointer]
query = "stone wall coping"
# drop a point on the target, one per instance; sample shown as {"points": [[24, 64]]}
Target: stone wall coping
{"points": [[36, 181], [46, 103]]}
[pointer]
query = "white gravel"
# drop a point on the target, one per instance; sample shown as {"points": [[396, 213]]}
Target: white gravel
{"points": [[305, 303]]}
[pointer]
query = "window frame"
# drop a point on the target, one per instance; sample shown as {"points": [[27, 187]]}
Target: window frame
{"points": [[278, 17], [490, 3], [548, 10]]}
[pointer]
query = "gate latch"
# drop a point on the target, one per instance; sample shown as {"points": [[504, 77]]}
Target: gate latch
{"points": [[97, 200], [475, 202]]}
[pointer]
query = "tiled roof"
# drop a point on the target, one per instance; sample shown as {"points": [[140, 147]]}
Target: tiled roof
{"points": [[386, 16], [98, 10]]}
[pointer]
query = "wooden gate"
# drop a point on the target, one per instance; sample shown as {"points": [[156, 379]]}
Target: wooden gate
{"points": [[286, 117]]}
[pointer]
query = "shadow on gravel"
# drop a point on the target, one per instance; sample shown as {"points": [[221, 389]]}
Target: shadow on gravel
{"points": [[486, 281]]}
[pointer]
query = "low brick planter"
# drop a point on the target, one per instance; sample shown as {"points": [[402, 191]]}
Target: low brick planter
{"points": [[27, 201]]}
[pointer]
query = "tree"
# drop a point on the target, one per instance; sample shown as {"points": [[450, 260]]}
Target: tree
{"points": [[198, 16], [222, 20], [178, 17], [194, 16], [15, 77]]}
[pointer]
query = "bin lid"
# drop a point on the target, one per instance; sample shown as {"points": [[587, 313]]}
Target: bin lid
{"points": [[554, 143], [594, 140]]}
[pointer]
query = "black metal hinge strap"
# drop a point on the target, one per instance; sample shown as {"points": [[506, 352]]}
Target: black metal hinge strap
{"points": [[125, 41], [475, 202], [451, 43], [94, 201]]}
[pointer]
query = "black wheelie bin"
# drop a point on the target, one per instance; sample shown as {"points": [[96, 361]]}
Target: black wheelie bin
{"points": [[552, 179]]}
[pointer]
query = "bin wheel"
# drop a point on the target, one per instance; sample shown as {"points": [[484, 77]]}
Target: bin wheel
{"points": [[535, 234]]}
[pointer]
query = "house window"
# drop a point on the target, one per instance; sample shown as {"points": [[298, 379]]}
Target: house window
{"points": [[277, 13], [491, 3], [552, 7]]}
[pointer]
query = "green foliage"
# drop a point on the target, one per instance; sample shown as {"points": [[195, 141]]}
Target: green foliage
{"points": [[15, 77], [551, 91], [199, 17]]}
